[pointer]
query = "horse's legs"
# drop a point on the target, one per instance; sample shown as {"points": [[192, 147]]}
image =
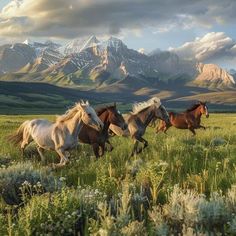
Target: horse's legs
{"points": [[96, 149], [202, 127], [41, 151], [145, 142], [192, 130], [110, 145], [63, 157], [162, 127], [134, 151], [102, 149], [26, 141]]}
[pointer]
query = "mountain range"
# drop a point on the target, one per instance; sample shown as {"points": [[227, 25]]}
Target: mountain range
{"points": [[110, 68]]}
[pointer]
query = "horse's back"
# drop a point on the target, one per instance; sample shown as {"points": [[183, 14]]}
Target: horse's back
{"points": [[41, 131], [178, 120]]}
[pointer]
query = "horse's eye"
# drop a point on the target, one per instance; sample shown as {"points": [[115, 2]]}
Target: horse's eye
{"points": [[89, 115]]}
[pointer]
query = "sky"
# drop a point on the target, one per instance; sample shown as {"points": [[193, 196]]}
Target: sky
{"points": [[203, 29]]}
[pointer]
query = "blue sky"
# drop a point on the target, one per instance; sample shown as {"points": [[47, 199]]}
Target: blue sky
{"points": [[148, 24]]}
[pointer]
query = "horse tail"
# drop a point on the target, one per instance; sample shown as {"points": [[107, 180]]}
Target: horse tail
{"points": [[17, 137]]}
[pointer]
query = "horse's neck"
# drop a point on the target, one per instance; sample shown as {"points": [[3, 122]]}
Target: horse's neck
{"points": [[74, 124], [146, 117], [106, 123], [197, 113]]}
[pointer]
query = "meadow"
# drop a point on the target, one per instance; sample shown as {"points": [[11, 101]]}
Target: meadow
{"points": [[180, 185]]}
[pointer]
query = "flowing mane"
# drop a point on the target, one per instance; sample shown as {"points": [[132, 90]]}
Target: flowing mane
{"points": [[71, 112], [193, 107], [138, 107]]}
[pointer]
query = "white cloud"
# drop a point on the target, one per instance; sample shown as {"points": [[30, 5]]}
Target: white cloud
{"points": [[70, 18], [211, 47]]}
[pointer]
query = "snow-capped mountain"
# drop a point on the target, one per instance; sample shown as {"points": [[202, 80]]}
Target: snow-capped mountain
{"points": [[77, 45], [108, 61], [40, 47]]}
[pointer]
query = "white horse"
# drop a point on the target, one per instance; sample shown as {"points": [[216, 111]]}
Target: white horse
{"points": [[61, 135]]}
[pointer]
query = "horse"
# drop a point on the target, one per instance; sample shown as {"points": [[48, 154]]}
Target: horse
{"points": [[142, 115], [190, 119], [108, 115], [61, 135]]}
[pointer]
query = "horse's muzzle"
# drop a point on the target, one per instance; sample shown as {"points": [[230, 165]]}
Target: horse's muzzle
{"points": [[207, 115]]}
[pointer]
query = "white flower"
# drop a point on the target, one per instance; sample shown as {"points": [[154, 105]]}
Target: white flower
{"points": [[62, 178]]}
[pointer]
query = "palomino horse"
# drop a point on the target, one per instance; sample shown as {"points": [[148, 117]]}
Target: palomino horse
{"points": [[61, 135], [143, 113], [108, 115], [190, 119]]}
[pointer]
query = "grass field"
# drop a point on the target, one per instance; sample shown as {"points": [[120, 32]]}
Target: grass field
{"points": [[179, 184]]}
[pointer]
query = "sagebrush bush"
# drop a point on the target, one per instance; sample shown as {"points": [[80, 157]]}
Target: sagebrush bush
{"points": [[24, 178], [60, 213]]}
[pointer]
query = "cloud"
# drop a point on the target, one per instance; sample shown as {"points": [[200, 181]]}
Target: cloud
{"points": [[214, 46], [70, 18]]}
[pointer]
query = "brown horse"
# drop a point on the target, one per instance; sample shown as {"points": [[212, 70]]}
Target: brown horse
{"points": [[108, 115], [142, 115], [190, 119]]}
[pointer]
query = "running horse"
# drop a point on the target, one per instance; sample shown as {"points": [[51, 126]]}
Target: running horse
{"points": [[108, 115], [190, 119], [61, 135], [142, 115]]}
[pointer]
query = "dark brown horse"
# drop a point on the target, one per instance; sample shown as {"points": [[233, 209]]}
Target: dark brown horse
{"points": [[108, 115], [190, 119]]}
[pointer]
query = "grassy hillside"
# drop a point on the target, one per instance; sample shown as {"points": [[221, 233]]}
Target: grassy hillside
{"points": [[38, 98]]}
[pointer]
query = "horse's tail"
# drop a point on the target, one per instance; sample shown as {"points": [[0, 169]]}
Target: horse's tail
{"points": [[17, 137]]}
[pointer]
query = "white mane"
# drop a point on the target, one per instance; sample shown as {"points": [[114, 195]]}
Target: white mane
{"points": [[71, 112], [137, 107]]}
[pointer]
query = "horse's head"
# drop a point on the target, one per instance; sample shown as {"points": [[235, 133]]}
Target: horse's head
{"points": [[89, 116], [204, 109], [116, 118], [161, 113]]}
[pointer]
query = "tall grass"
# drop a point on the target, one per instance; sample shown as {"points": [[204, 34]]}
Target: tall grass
{"points": [[178, 184]]}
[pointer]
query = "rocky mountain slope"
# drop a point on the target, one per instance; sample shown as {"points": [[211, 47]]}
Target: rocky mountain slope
{"points": [[106, 65], [211, 75]]}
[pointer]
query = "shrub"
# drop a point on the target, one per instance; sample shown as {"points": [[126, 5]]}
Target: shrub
{"points": [[24, 179], [60, 213]]}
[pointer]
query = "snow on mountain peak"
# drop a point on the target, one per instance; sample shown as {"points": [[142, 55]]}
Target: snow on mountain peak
{"points": [[77, 45], [28, 42]]}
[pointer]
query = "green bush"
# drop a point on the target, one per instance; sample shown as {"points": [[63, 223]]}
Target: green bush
{"points": [[23, 179]]}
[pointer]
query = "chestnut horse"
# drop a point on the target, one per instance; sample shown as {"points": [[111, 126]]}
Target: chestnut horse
{"points": [[108, 115], [190, 119]]}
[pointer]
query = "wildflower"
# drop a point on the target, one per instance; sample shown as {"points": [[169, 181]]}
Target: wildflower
{"points": [[62, 178]]}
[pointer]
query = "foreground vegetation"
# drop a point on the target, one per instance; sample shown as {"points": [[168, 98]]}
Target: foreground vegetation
{"points": [[179, 184]]}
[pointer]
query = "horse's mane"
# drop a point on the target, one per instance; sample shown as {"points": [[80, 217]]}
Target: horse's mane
{"points": [[138, 107], [193, 107], [71, 112], [100, 110]]}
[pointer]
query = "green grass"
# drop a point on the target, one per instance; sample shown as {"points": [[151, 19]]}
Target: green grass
{"points": [[203, 164]]}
